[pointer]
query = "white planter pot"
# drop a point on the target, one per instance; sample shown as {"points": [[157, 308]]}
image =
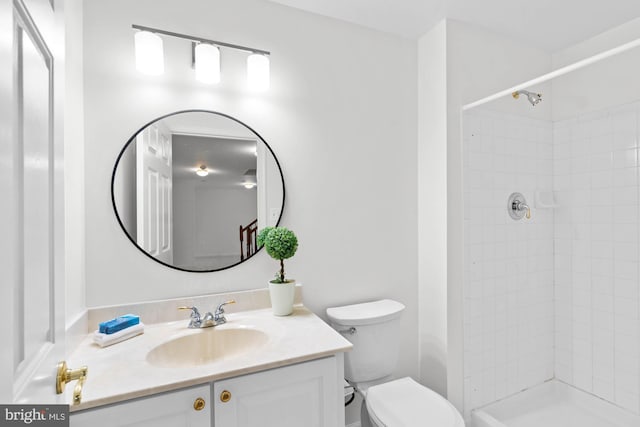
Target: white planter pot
{"points": [[282, 295]]}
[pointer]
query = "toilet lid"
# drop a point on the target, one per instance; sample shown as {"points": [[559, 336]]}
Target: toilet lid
{"points": [[405, 403], [365, 313]]}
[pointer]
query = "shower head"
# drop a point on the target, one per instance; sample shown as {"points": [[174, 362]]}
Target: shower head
{"points": [[534, 98]]}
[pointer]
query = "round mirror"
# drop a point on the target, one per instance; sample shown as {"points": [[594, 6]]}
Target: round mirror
{"points": [[192, 188]]}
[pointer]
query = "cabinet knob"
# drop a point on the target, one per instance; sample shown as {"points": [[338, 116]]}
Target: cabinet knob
{"points": [[225, 396], [199, 404]]}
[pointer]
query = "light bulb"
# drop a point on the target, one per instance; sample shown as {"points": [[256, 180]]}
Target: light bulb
{"points": [[249, 185], [207, 63], [149, 53], [258, 72], [202, 171]]}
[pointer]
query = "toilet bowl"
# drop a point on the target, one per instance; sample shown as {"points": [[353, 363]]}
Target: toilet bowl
{"points": [[373, 330]]}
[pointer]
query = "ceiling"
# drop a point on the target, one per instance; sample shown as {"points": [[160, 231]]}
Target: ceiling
{"points": [[228, 160], [207, 124], [226, 147], [551, 25]]}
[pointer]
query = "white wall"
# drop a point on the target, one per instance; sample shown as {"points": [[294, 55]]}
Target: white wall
{"points": [[9, 190], [595, 297], [340, 116], [74, 163], [596, 234], [600, 86], [478, 63], [206, 221], [597, 267], [269, 188], [596, 178], [272, 188], [508, 286], [475, 63], [608, 83], [607, 40], [432, 207], [125, 190]]}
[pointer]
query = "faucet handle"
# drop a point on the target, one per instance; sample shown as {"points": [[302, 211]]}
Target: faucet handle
{"points": [[195, 314], [218, 317], [196, 320], [220, 309], [522, 206]]}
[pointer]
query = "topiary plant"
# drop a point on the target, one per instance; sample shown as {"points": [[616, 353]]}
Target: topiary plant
{"points": [[280, 243]]}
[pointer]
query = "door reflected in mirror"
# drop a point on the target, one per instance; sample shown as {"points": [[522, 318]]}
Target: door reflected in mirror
{"points": [[192, 188]]}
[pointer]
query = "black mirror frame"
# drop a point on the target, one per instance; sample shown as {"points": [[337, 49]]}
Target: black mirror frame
{"points": [[133, 137]]}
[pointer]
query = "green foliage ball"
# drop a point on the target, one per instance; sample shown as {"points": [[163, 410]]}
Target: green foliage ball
{"points": [[280, 242], [262, 236]]}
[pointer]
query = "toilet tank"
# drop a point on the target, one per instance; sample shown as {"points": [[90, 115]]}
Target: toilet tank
{"points": [[375, 337]]}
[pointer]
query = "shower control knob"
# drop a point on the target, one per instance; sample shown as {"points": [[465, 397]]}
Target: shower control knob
{"points": [[517, 207]]}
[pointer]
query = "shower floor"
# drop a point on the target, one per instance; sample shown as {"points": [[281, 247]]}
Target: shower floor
{"points": [[553, 404]]}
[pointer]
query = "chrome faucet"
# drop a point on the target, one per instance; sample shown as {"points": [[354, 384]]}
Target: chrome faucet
{"points": [[197, 321], [218, 317], [208, 320]]}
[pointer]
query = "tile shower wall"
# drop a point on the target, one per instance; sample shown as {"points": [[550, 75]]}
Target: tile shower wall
{"points": [[508, 291], [597, 326]]}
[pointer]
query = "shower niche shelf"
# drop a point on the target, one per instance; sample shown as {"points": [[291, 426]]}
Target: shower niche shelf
{"points": [[545, 200]]}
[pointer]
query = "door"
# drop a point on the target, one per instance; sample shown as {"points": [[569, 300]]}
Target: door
{"points": [[184, 408], [32, 292], [294, 396], [154, 182]]}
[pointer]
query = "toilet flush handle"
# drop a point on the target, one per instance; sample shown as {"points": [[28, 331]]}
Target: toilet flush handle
{"points": [[352, 330]]}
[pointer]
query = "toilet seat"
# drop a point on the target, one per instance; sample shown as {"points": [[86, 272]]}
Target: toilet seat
{"points": [[405, 403]]}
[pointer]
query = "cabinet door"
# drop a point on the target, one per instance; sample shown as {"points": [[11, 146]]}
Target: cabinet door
{"points": [[302, 395], [174, 409]]}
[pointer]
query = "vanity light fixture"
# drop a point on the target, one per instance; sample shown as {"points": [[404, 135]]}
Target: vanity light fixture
{"points": [[258, 72], [149, 53], [207, 63], [205, 57], [202, 171]]}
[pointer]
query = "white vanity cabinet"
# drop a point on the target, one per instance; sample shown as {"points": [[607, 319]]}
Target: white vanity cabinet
{"points": [[306, 394], [182, 408], [302, 395]]}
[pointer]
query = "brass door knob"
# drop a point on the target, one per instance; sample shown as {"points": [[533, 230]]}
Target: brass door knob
{"points": [[65, 375], [225, 396], [199, 404]]}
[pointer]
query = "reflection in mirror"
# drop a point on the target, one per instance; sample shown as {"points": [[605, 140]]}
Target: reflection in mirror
{"points": [[192, 188]]}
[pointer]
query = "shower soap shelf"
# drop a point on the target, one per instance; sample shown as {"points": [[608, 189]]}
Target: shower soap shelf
{"points": [[545, 200]]}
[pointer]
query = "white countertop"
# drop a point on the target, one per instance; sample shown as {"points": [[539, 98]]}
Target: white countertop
{"points": [[121, 371]]}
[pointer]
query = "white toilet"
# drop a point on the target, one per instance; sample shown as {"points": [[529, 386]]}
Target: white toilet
{"points": [[373, 330]]}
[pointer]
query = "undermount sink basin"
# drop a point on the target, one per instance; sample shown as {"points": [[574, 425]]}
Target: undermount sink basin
{"points": [[205, 346]]}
